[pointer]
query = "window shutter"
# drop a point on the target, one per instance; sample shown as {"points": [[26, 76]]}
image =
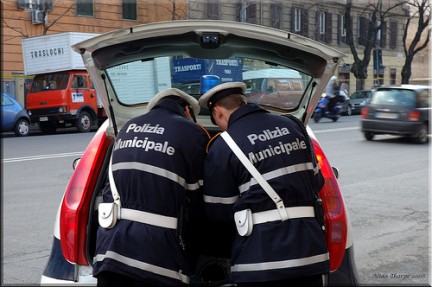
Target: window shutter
{"points": [[362, 31], [393, 35], [251, 13], [213, 10], [384, 35], [276, 15], [293, 19], [329, 28], [305, 23]]}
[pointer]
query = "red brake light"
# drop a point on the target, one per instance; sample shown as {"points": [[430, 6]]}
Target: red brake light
{"points": [[76, 201], [414, 116], [364, 112], [335, 218]]}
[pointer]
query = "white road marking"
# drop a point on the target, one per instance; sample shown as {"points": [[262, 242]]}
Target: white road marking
{"points": [[39, 157]]}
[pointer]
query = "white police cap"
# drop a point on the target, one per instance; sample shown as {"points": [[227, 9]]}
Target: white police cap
{"points": [[174, 92], [220, 91]]}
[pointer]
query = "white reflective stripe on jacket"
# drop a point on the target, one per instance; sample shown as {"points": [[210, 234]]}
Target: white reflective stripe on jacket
{"points": [[262, 266], [157, 171], [142, 265], [280, 172]]}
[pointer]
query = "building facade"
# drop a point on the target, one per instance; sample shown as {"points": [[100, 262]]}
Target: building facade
{"points": [[30, 18], [322, 21]]}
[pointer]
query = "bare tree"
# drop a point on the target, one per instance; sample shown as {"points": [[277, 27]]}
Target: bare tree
{"points": [[418, 10], [175, 12], [44, 8], [375, 23]]}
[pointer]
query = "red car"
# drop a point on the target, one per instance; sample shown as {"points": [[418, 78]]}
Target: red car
{"points": [[129, 66]]}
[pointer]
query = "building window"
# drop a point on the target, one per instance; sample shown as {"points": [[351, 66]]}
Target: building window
{"points": [[297, 19], [322, 23], [341, 36], [129, 8], [213, 9], [342, 26], [276, 15], [43, 5], [324, 27], [251, 13], [362, 30], [84, 7], [247, 12], [393, 35]]}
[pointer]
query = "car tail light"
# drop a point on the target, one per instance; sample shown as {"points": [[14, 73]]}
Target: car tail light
{"points": [[335, 217], [364, 112], [76, 201], [414, 116]]}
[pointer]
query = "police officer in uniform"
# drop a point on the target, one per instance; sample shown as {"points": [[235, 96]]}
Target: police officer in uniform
{"points": [[157, 164], [280, 250]]}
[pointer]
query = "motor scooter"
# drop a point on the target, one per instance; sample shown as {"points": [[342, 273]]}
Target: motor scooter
{"points": [[322, 109]]}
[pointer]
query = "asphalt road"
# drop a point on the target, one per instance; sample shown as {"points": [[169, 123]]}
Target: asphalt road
{"points": [[385, 183]]}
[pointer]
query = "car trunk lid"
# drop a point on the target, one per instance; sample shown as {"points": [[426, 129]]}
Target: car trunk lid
{"points": [[206, 39]]}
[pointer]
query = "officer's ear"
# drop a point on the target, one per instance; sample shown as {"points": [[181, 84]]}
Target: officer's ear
{"points": [[189, 113]]}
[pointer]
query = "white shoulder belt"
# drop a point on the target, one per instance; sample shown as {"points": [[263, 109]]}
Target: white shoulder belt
{"points": [[280, 213], [109, 210]]}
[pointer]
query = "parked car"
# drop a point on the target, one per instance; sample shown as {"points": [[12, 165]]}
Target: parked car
{"points": [[14, 116], [359, 99], [118, 61], [346, 108], [398, 110]]}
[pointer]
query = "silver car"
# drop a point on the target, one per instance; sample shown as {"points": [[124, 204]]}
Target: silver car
{"points": [[130, 66]]}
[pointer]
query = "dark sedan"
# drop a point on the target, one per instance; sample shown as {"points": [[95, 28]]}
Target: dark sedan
{"points": [[359, 99], [398, 110]]}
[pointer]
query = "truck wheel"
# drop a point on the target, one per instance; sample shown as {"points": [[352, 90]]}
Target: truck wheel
{"points": [[22, 127], [47, 128], [84, 122]]}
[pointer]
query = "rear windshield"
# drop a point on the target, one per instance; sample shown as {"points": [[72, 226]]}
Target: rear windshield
{"points": [[268, 85], [394, 97]]}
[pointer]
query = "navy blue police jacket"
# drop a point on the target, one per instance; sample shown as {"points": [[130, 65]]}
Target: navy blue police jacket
{"points": [[157, 165], [277, 147]]}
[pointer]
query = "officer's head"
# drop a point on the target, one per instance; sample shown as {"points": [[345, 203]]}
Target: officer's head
{"points": [[222, 100], [188, 103]]}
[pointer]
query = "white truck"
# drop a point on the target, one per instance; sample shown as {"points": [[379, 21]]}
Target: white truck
{"points": [[61, 93]]}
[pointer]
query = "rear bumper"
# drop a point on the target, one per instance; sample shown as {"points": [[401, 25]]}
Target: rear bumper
{"points": [[59, 271], [390, 127], [58, 118], [347, 274]]}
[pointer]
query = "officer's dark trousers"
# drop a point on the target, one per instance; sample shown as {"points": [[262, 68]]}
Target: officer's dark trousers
{"points": [[118, 280], [309, 281]]}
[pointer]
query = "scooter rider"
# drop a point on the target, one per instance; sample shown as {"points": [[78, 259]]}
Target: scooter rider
{"points": [[157, 164], [278, 248], [332, 92]]}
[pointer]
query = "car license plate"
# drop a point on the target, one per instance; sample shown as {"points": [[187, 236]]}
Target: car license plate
{"points": [[386, 115], [43, 119]]}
